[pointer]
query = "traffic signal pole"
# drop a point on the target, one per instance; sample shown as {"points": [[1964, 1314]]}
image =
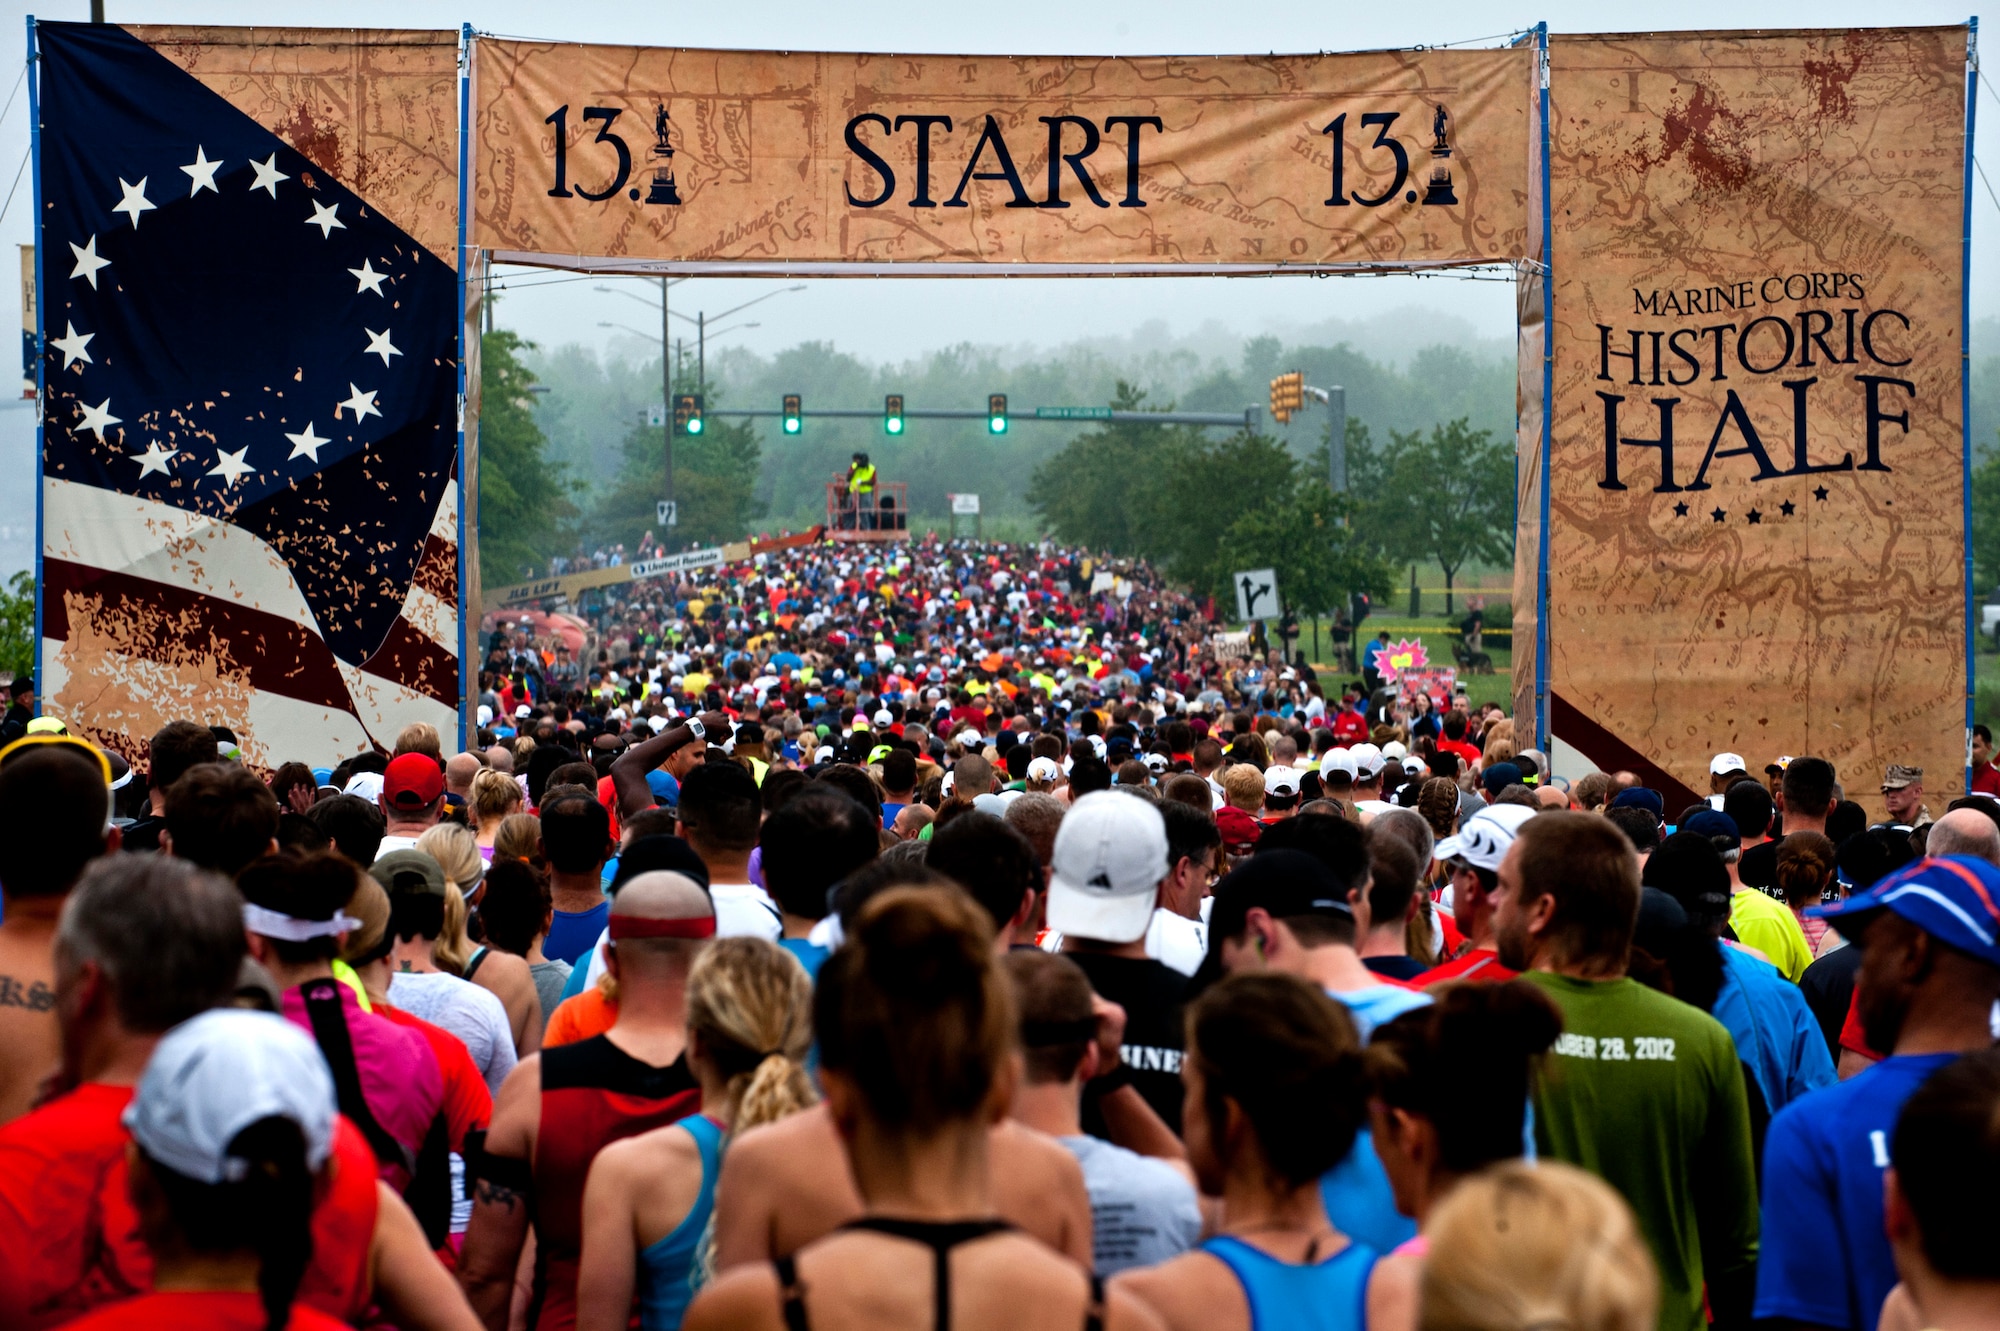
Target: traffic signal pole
{"points": [[1234, 420], [666, 389]]}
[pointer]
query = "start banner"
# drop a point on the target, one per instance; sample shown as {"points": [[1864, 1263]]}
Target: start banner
{"points": [[759, 161], [1756, 527]]}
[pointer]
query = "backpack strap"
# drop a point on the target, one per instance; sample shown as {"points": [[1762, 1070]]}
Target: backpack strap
{"points": [[329, 1028]]}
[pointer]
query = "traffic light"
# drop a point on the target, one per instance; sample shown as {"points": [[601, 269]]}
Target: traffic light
{"points": [[1358, 606], [1288, 394], [892, 414], [687, 413], [996, 413], [793, 412]]}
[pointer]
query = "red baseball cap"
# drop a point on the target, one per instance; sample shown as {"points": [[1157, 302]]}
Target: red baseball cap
{"points": [[412, 781]]}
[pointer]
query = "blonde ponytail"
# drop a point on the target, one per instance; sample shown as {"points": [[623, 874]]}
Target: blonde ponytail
{"points": [[750, 1003], [778, 1086]]}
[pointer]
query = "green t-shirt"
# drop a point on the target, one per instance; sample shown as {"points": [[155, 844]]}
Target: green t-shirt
{"points": [[1770, 927], [1647, 1092]]}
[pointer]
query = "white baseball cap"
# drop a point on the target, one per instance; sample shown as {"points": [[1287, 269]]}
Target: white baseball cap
{"points": [[368, 785], [1281, 782], [213, 1076], [1723, 763], [1110, 855], [1337, 760], [882, 717], [1395, 748], [1483, 839], [1044, 769], [485, 715], [1367, 759]]}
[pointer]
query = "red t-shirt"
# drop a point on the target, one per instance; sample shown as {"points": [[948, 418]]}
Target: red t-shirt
{"points": [[607, 795], [1461, 748], [69, 1240], [1482, 964], [1985, 779], [1851, 1034], [203, 1311], [1350, 725]]}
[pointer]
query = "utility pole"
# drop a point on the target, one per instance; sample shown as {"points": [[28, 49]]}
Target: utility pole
{"points": [[701, 351], [1336, 444], [667, 389]]}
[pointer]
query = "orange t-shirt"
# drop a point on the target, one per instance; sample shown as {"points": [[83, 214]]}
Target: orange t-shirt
{"points": [[580, 1017]]}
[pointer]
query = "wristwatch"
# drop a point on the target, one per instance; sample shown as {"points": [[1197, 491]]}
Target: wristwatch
{"points": [[695, 727]]}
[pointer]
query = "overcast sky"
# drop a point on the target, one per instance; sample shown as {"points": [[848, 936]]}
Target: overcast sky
{"points": [[892, 319]]}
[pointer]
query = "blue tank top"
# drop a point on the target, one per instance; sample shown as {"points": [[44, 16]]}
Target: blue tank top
{"points": [[1327, 1296], [666, 1268]]}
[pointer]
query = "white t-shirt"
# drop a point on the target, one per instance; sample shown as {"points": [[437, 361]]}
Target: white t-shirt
{"points": [[472, 1013], [390, 843], [1176, 941], [745, 909], [1142, 1211]]}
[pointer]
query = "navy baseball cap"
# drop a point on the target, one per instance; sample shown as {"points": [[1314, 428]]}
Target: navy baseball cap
{"points": [[1953, 898], [1712, 823], [1638, 797]]}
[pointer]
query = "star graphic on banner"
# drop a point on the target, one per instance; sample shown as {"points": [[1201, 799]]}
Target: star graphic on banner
{"points": [[1755, 517], [379, 345], [96, 419], [230, 466], [153, 459], [1787, 507], [1820, 493], [87, 262], [361, 404], [1718, 515], [306, 444], [201, 173], [268, 175], [135, 200], [369, 279], [1681, 509], [323, 218], [72, 345]]}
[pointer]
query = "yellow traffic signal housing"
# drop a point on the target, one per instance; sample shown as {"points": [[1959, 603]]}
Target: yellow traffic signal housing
{"points": [[1288, 394]]}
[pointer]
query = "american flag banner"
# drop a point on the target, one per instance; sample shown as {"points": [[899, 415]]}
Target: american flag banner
{"points": [[249, 491]]}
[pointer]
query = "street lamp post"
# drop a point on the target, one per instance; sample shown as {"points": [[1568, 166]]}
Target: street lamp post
{"points": [[700, 321]]}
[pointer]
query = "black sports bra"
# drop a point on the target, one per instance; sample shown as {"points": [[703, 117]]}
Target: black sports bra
{"points": [[940, 1237]]}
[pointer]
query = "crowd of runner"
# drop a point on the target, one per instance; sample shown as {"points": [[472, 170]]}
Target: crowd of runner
{"points": [[944, 935]]}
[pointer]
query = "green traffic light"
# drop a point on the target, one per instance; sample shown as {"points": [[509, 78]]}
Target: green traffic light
{"points": [[791, 425], [894, 425], [996, 424], [694, 425]]}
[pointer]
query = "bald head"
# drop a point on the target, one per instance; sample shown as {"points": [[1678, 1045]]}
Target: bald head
{"points": [[1965, 832], [662, 895], [501, 759], [656, 896], [459, 770]]}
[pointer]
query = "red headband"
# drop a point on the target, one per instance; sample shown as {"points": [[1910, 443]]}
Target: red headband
{"points": [[637, 926]]}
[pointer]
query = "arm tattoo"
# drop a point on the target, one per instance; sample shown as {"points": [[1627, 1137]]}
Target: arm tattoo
{"points": [[498, 1194]]}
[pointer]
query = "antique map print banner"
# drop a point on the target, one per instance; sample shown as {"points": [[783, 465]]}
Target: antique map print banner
{"points": [[1757, 531], [761, 161], [376, 109]]}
